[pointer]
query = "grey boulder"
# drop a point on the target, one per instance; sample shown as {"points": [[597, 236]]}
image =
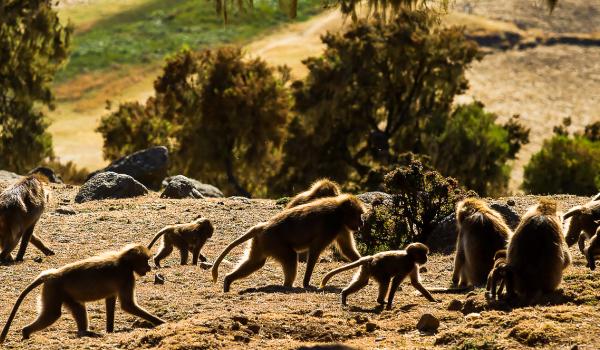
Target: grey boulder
{"points": [[110, 185]]}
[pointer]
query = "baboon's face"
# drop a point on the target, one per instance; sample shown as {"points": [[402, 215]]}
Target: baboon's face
{"points": [[142, 267], [354, 221], [574, 231], [421, 258]]}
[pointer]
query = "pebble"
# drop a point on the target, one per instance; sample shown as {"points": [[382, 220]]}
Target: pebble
{"points": [[317, 313], [370, 327], [65, 210], [428, 323], [255, 328], [241, 319], [159, 279], [455, 305]]}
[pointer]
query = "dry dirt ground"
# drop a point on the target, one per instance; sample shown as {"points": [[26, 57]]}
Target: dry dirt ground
{"points": [[201, 316]]}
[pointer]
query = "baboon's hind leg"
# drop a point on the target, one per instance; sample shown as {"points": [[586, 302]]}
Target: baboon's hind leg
{"points": [[251, 264], [359, 281]]}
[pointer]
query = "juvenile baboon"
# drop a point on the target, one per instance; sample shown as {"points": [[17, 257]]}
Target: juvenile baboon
{"points": [[583, 223], [312, 226], [319, 189], [21, 206], [496, 280], [537, 253], [592, 252], [189, 237], [481, 232], [386, 268], [105, 276]]}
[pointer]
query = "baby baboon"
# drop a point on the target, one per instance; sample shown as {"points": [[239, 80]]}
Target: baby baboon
{"points": [[21, 206], [319, 189], [481, 232], [106, 276], [593, 250], [496, 280], [312, 226], [189, 237], [537, 253], [386, 268], [583, 223]]}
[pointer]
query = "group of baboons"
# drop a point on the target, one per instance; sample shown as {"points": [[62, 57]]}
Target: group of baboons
{"points": [[526, 263]]}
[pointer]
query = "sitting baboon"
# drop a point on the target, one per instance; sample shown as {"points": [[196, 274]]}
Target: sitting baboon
{"points": [[481, 233], [312, 226], [537, 253], [105, 276], [319, 189], [593, 250], [583, 223], [21, 206], [497, 277], [189, 237], [386, 268]]}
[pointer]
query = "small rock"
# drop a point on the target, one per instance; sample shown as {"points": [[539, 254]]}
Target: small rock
{"points": [[455, 305], [65, 210], [472, 316], [159, 279], [360, 319], [317, 313], [205, 265], [161, 207], [241, 319], [378, 339], [242, 338], [38, 259], [255, 328], [575, 347], [423, 269], [428, 323], [235, 326], [370, 327], [511, 202]]}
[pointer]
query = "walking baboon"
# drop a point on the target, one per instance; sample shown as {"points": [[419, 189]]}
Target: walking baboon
{"points": [[21, 206], [496, 280], [312, 226], [386, 268], [319, 189], [583, 223], [481, 233], [593, 250], [105, 276], [537, 253], [189, 237]]}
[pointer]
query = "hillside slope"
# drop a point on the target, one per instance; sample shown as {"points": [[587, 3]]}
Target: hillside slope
{"points": [[200, 315]]}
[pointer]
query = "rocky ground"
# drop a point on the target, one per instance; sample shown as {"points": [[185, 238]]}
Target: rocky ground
{"points": [[257, 313]]}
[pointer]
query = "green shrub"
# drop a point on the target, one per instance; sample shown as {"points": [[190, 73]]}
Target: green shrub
{"points": [[564, 165], [33, 45], [222, 116], [421, 198]]}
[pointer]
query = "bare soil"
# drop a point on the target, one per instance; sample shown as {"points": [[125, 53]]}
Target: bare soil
{"points": [[201, 316]]}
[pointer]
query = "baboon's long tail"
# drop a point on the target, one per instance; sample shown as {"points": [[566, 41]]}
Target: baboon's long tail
{"points": [[359, 262], [577, 210], [251, 233], [36, 282], [157, 236]]}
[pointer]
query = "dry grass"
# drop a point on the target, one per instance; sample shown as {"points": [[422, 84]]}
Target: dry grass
{"points": [[201, 316]]}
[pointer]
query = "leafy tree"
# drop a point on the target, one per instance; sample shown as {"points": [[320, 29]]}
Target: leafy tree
{"points": [[223, 116], [378, 90], [421, 198], [565, 164], [33, 44], [475, 150]]}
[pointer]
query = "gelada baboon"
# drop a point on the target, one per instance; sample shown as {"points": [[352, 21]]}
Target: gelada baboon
{"points": [[105, 276], [496, 280], [21, 206], [319, 189], [187, 238], [537, 253], [312, 226], [386, 268], [592, 252], [481, 232], [583, 223]]}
